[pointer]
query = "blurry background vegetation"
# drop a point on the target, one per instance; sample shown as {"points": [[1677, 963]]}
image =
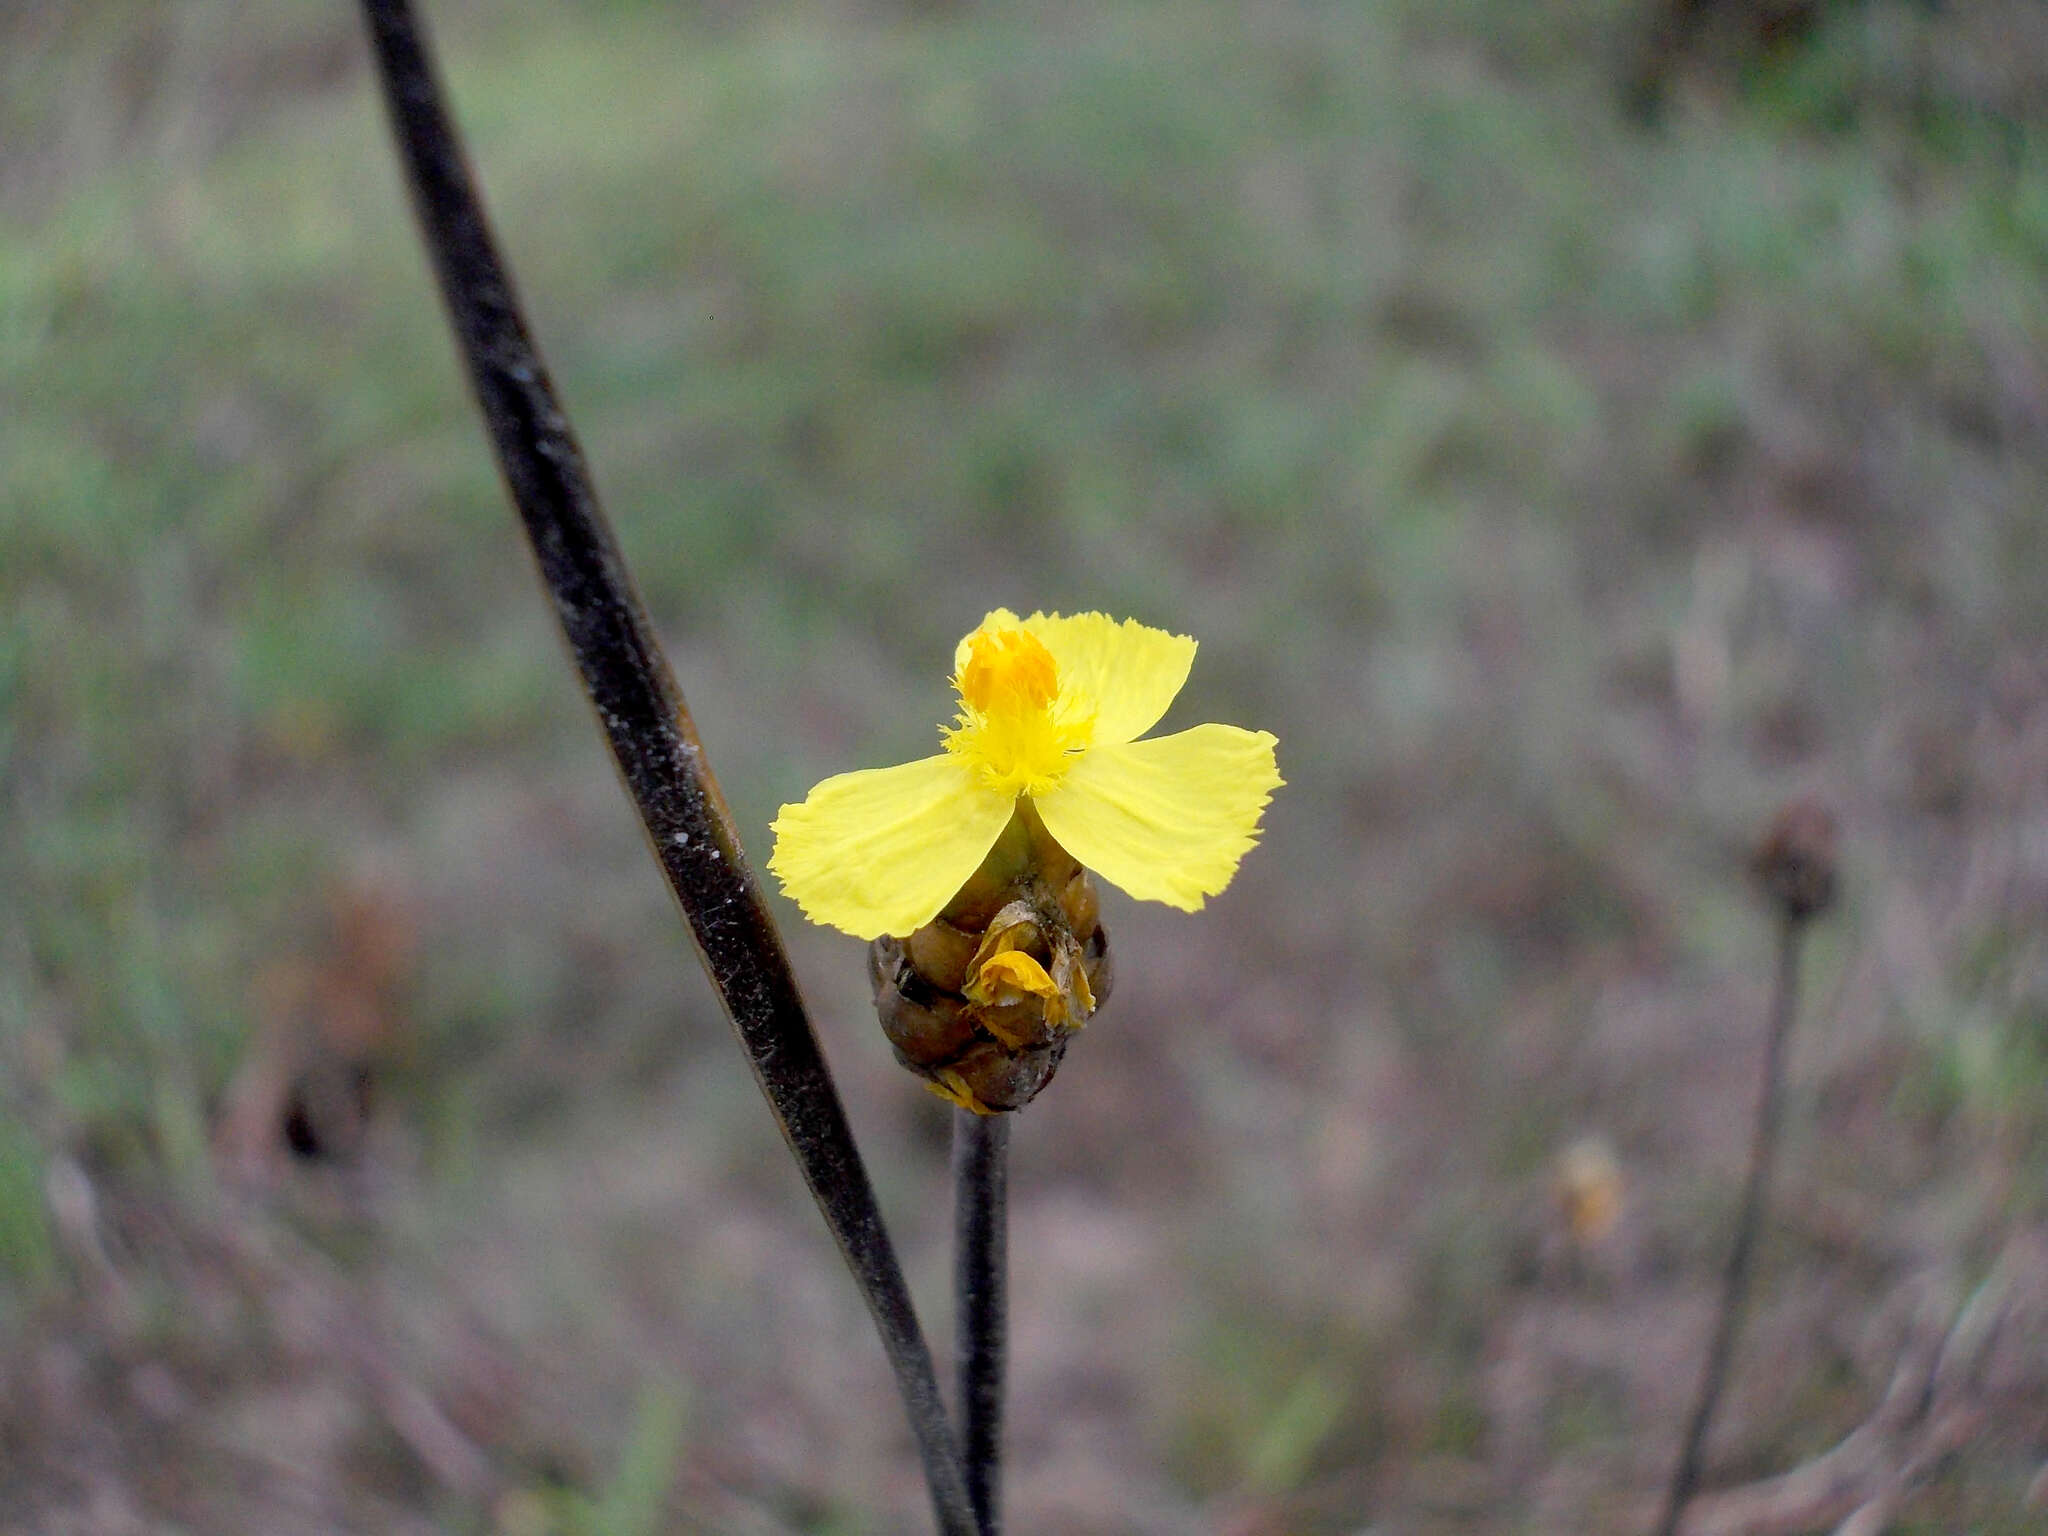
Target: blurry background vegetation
{"points": [[1570, 444]]}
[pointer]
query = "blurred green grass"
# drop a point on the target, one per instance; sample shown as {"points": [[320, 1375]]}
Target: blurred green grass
{"points": [[1561, 491]]}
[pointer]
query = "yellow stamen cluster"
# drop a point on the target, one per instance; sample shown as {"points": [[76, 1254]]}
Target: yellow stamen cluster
{"points": [[1015, 731], [1007, 669]]}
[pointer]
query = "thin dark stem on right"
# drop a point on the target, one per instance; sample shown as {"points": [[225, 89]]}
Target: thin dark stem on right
{"points": [[1735, 1280], [981, 1197]]}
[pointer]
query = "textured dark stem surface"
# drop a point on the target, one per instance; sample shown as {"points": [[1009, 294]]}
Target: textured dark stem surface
{"points": [[644, 720], [981, 1218], [1735, 1279]]}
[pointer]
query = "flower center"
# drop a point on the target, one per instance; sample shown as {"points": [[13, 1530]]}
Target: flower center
{"points": [[1007, 669], [1015, 729]]}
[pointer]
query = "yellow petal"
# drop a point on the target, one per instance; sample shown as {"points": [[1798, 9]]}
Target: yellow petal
{"points": [[1168, 819], [952, 1087], [1009, 977], [1130, 671], [882, 850]]}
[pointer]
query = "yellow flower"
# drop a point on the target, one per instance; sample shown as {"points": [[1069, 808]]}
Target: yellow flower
{"points": [[1050, 712]]}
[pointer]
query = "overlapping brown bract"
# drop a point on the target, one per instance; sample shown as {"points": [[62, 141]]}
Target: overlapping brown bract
{"points": [[987, 1030]]}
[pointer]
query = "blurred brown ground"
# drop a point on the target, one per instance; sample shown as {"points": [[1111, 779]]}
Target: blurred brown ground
{"points": [[1565, 490]]}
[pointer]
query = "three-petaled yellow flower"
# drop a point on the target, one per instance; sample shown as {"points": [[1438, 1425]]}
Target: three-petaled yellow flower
{"points": [[1051, 709]]}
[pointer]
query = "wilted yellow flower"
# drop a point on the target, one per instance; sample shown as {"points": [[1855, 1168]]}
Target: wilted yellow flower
{"points": [[1588, 1185], [1050, 712]]}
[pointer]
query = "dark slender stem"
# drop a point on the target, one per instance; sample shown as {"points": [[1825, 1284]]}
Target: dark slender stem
{"points": [[981, 1219], [1735, 1279], [644, 719]]}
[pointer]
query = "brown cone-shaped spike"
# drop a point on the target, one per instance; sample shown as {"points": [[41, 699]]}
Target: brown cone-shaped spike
{"points": [[982, 1000], [1796, 859]]}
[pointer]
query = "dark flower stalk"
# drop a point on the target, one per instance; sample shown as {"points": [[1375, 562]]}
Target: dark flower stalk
{"points": [[1796, 866], [981, 1194], [647, 725]]}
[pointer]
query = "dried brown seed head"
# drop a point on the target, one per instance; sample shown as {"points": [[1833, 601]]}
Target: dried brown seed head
{"points": [[1796, 859]]}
